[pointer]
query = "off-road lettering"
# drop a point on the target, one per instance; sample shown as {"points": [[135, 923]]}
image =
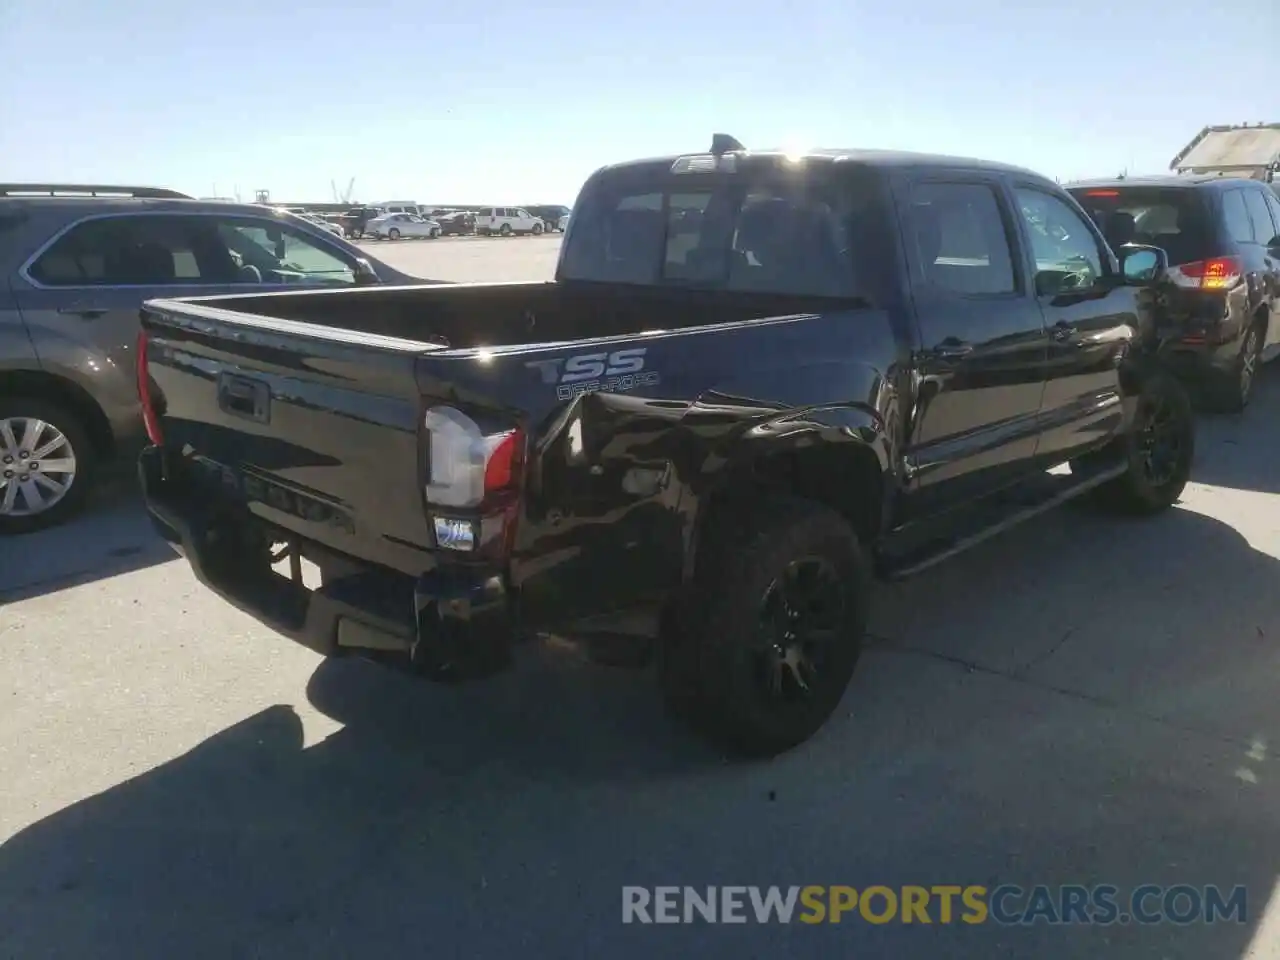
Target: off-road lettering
{"points": [[567, 391]]}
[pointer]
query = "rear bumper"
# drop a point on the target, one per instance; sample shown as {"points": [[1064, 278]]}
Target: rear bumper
{"points": [[1196, 362], [1203, 336], [445, 621]]}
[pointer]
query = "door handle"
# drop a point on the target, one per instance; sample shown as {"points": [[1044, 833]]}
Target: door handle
{"points": [[1062, 331], [85, 313], [952, 349]]}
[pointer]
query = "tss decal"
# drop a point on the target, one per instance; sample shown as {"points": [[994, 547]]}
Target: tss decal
{"points": [[615, 372]]}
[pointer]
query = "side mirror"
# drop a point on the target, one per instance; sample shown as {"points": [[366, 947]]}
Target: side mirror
{"points": [[1274, 245], [364, 273], [1142, 265]]}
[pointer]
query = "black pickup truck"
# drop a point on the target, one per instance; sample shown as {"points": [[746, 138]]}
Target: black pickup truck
{"points": [[757, 381]]}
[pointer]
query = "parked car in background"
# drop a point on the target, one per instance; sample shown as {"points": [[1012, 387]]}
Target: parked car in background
{"points": [[355, 220], [1220, 300], [399, 206], [321, 222], [76, 263], [549, 215], [506, 221], [397, 226], [458, 224]]}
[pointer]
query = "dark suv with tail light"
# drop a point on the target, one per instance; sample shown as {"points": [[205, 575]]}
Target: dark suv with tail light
{"points": [[1218, 306]]}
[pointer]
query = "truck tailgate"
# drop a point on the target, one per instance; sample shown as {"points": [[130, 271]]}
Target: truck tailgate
{"points": [[310, 426]]}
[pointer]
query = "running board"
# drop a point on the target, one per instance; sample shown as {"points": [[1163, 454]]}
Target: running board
{"points": [[936, 550]]}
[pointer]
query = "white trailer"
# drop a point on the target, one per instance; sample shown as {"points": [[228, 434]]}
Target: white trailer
{"points": [[1236, 150]]}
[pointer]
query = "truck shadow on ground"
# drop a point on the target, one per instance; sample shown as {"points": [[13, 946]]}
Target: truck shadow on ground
{"points": [[1128, 744], [113, 536]]}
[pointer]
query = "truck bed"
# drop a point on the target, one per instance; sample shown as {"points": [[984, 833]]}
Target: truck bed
{"points": [[507, 314], [310, 405]]}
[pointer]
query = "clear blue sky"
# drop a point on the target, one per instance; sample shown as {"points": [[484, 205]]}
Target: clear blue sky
{"points": [[502, 101]]}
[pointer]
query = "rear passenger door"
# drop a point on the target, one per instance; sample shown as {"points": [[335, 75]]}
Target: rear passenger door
{"points": [[1273, 265], [984, 346], [1090, 315], [1261, 267]]}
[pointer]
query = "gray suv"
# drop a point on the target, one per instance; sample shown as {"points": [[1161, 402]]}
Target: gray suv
{"points": [[76, 263]]}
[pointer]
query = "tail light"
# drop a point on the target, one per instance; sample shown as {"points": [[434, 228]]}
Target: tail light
{"points": [[1218, 273], [149, 417], [473, 483]]}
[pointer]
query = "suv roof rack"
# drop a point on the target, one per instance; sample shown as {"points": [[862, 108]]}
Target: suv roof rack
{"points": [[87, 190]]}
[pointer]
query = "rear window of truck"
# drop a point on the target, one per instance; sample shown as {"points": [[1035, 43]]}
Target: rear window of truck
{"points": [[1172, 218], [785, 235]]}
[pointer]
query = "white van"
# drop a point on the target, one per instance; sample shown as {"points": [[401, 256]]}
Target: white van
{"points": [[506, 221], [387, 207]]}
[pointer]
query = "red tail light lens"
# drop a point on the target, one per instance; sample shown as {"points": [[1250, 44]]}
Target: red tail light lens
{"points": [[149, 418], [503, 473], [1216, 274], [1102, 193], [502, 467]]}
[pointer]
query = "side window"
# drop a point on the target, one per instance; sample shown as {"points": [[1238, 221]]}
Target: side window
{"points": [[266, 252], [79, 257], [1273, 202], [1236, 217], [1066, 252], [1256, 203], [960, 239], [136, 251]]}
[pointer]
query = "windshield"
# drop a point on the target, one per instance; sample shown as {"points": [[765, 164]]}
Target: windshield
{"points": [[788, 235], [1171, 218]]}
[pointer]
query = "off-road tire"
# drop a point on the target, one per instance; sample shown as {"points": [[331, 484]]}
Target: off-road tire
{"points": [[706, 668], [505, 230], [1136, 491]]}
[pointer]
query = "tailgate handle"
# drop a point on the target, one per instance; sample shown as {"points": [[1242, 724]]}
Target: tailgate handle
{"points": [[243, 397]]}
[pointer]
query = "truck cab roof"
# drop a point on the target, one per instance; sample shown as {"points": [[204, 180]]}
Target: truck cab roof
{"points": [[863, 156]]}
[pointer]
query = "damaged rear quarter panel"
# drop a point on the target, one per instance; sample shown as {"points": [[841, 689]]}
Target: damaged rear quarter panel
{"points": [[619, 471]]}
